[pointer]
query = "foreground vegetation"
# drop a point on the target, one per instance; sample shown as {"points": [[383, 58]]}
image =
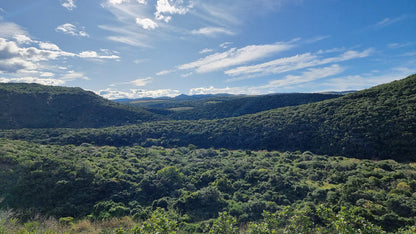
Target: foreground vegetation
{"points": [[194, 186]]}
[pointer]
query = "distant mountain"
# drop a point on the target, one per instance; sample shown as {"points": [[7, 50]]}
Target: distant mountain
{"points": [[220, 106], [38, 106], [377, 123], [242, 105]]}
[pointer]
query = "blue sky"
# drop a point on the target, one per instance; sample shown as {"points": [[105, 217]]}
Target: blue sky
{"points": [[151, 48]]}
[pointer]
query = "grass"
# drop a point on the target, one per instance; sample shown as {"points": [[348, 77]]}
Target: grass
{"points": [[46, 225]]}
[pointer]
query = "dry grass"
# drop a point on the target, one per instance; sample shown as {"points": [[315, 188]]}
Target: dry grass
{"points": [[9, 225]]}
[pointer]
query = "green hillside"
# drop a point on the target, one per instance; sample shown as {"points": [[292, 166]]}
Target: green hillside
{"points": [[224, 106], [302, 192], [376, 123], [38, 106], [238, 106]]}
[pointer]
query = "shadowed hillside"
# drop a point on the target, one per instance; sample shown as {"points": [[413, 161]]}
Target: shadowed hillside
{"points": [[38, 106], [375, 123]]}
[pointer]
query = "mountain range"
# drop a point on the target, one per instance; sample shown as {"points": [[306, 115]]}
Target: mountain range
{"points": [[376, 123]]}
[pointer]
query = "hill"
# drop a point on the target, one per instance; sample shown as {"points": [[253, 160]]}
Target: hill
{"points": [[220, 106], [377, 123], [38, 106]]}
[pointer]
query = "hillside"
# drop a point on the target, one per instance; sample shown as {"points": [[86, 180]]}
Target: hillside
{"points": [[377, 123], [224, 106], [298, 190], [38, 106]]}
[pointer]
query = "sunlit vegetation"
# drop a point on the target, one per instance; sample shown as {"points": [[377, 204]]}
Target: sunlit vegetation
{"points": [[194, 186], [342, 165]]}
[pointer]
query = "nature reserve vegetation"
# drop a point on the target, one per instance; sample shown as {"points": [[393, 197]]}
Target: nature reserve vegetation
{"points": [[340, 164]]}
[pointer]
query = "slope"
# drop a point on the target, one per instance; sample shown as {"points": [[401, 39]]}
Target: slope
{"points": [[220, 106], [38, 106], [377, 123]]}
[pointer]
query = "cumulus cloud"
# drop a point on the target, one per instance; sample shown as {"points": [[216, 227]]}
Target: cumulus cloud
{"points": [[69, 4], [10, 30], [48, 46], [137, 93], [43, 81], [212, 31], [146, 23], [72, 30], [34, 56], [22, 39], [235, 57], [165, 10]]}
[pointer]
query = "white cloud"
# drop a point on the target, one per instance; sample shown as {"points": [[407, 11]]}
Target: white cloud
{"points": [[359, 82], [10, 30], [165, 10], [290, 80], [294, 63], [95, 55], [146, 23], [212, 31], [48, 46], [212, 90], [141, 82], [71, 30], [307, 76], [226, 44], [234, 57], [72, 75], [47, 74], [117, 2], [22, 39], [69, 4], [43, 81], [137, 93], [126, 31], [205, 51], [389, 21], [164, 72]]}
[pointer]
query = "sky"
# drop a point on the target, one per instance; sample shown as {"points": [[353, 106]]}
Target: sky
{"points": [[152, 48]]}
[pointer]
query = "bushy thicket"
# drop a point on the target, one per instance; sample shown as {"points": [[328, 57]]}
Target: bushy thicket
{"points": [[101, 182]]}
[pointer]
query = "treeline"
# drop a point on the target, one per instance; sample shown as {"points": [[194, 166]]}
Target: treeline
{"points": [[378, 123], [195, 185], [225, 106]]}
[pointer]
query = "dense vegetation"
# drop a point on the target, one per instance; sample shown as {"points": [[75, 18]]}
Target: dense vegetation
{"points": [[195, 185], [254, 173], [377, 123], [38, 106], [223, 106]]}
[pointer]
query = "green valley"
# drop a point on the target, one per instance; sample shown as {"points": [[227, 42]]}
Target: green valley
{"points": [[284, 163]]}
